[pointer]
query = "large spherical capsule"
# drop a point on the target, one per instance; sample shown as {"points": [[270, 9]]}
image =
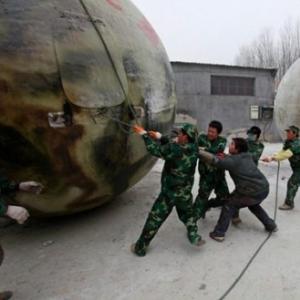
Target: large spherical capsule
{"points": [[74, 76], [287, 102]]}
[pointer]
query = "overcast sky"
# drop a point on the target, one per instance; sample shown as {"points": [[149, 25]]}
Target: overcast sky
{"points": [[213, 30]]}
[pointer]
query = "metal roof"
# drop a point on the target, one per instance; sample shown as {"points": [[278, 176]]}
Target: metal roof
{"points": [[273, 71]]}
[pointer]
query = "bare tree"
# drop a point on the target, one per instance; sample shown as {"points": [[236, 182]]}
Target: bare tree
{"points": [[260, 53], [273, 51]]}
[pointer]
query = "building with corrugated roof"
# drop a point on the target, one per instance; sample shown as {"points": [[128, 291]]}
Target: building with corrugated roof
{"points": [[239, 97]]}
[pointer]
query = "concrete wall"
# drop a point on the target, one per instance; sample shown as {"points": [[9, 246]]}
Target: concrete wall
{"points": [[193, 86]]}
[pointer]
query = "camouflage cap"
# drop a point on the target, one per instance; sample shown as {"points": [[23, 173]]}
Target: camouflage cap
{"points": [[293, 128], [190, 130]]}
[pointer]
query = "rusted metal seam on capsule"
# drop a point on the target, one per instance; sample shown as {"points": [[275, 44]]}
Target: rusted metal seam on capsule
{"points": [[92, 117], [110, 58]]}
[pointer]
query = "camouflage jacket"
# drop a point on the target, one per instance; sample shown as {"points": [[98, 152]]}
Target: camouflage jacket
{"points": [[180, 161], [6, 188], [255, 149], [294, 146], [214, 147]]}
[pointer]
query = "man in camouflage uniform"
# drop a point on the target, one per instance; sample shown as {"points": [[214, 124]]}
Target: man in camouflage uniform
{"points": [[255, 148], [17, 213], [176, 184], [290, 151], [211, 178]]}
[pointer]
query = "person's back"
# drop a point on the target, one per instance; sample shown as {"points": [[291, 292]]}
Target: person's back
{"points": [[248, 179], [181, 166], [251, 187]]}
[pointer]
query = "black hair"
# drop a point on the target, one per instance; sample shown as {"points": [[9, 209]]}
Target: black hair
{"points": [[241, 145], [190, 139], [217, 125], [295, 132], [255, 130]]}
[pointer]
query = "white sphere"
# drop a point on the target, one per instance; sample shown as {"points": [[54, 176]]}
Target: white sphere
{"points": [[287, 102]]}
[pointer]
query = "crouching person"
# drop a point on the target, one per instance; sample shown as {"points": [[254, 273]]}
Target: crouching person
{"points": [[177, 180], [251, 187]]}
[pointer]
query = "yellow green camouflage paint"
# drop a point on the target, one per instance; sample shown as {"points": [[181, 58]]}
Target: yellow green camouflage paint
{"points": [[100, 58]]}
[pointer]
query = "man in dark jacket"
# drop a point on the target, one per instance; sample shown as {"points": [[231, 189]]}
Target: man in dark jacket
{"points": [[251, 187], [255, 148]]}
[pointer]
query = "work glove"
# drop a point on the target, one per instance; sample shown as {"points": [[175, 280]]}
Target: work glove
{"points": [[155, 135], [18, 213], [267, 159], [31, 187], [139, 130]]}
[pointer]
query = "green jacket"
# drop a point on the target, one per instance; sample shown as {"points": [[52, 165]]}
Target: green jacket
{"points": [[256, 149], [294, 146], [6, 188], [248, 179], [180, 161], [214, 147]]}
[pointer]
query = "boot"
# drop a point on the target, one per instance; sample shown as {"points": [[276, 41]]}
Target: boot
{"points": [[195, 239], [6, 295], [236, 221]]}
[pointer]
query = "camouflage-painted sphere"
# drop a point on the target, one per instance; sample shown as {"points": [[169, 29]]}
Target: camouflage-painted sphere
{"points": [[287, 102], [74, 76]]}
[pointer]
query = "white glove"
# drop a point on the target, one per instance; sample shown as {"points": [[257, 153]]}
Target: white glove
{"points": [[139, 130], [267, 159], [31, 187], [155, 135], [18, 213]]}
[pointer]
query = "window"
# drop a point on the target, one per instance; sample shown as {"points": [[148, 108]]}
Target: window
{"points": [[229, 85]]}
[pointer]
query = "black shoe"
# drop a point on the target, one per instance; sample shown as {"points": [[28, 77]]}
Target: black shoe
{"points": [[216, 237], [272, 228], [6, 295]]}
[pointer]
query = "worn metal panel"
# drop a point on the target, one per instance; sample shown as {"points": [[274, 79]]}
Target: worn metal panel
{"points": [[51, 57]]}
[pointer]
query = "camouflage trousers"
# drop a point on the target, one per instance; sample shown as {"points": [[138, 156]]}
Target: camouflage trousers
{"points": [[292, 188], [208, 182], [1, 255], [182, 199]]}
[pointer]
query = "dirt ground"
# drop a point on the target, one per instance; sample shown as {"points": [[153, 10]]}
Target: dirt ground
{"points": [[87, 256]]}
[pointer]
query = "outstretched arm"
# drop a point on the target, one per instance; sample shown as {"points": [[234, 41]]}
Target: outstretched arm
{"points": [[280, 156], [165, 150], [226, 163]]}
